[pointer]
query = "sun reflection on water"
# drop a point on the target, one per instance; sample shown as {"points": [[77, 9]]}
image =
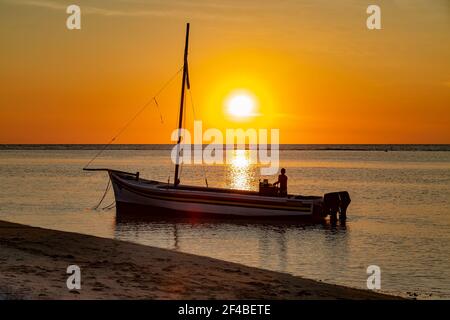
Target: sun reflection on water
{"points": [[241, 171]]}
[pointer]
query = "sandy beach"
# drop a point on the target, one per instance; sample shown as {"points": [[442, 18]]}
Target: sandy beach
{"points": [[33, 263]]}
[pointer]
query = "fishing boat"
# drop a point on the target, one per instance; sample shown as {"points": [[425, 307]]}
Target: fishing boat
{"points": [[149, 198]]}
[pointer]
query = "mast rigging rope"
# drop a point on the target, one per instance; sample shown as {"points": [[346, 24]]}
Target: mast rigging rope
{"points": [[153, 99]]}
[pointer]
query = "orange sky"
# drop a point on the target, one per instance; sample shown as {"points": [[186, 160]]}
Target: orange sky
{"points": [[318, 74]]}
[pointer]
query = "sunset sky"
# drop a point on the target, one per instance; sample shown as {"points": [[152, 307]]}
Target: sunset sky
{"points": [[312, 67]]}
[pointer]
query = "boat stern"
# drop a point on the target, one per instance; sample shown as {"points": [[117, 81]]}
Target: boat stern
{"points": [[335, 203]]}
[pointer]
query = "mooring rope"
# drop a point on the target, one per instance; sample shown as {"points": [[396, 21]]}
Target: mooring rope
{"points": [[110, 206], [104, 194]]}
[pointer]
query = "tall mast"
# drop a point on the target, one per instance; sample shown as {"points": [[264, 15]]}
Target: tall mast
{"points": [[180, 120]]}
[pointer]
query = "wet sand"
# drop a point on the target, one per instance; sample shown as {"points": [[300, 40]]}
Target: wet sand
{"points": [[33, 263]]}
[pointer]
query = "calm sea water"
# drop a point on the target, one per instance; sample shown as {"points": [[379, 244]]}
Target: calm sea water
{"points": [[399, 218]]}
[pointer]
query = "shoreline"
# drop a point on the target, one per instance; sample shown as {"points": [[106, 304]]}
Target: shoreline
{"points": [[33, 263]]}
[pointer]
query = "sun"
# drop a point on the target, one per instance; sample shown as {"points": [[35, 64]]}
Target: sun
{"points": [[240, 104]]}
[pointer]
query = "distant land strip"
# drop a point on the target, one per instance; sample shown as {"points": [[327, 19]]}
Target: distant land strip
{"points": [[303, 147]]}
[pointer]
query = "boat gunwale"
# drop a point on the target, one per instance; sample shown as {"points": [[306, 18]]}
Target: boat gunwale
{"points": [[285, 206], [160, 187]]}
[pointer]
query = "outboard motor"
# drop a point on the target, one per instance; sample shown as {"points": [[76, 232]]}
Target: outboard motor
{"points": [[343, 204], [331, 204], [335, 202]]}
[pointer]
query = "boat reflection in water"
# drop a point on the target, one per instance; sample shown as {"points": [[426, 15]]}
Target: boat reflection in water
{"points": [[283, 246]]}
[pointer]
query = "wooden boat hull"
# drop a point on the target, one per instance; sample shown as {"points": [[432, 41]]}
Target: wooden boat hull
{"points": [[147, 197]]}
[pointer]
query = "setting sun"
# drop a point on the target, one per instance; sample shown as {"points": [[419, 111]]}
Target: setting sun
{"points": [[241, 104]]}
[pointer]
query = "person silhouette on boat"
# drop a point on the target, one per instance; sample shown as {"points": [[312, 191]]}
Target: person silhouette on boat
{"points": [[282, 181]]}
